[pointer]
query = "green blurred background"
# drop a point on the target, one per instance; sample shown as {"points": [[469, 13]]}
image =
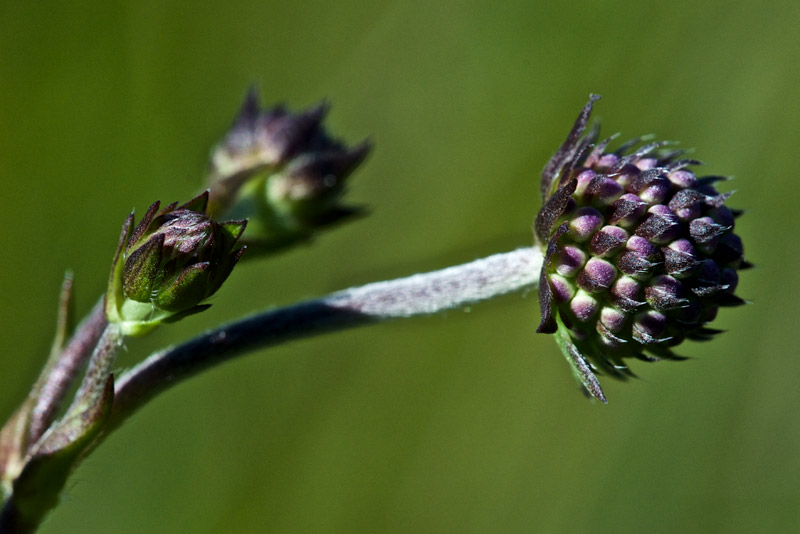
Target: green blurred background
{"points": [[467, 422]]}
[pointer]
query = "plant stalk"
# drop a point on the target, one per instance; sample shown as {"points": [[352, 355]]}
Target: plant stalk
{"points": [[420, 294], [62, 372]]}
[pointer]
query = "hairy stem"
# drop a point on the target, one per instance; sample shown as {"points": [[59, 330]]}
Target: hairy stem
{"points": [[99, 369], [36, 489], [63, 370], [420, 294]]}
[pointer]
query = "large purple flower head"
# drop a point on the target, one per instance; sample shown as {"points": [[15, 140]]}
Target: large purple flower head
{"points": [[639, 252]]}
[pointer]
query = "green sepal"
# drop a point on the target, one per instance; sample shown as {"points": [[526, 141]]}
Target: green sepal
{"points": [[233, 230], [144, 225], [141, 269], [188, 288], [198, 203], [114, 294]]}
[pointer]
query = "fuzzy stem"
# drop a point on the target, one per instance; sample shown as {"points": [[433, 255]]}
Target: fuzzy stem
{"points": [[420, 294], [99, 369], [61, 372]]}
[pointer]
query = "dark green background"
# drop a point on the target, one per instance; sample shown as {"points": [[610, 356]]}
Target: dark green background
{"points": [[467, 422]]}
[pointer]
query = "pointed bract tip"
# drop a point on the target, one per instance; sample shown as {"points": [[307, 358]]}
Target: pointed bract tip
{"points": [[251, 105], [198, 203]]}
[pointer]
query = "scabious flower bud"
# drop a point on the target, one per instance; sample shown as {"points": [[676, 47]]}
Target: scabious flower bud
{"points": [[639, 253], [171, 262], [282, 172]]}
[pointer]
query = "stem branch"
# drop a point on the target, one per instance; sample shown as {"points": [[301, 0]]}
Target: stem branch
{"points": [[63, 370], [420, 294]]}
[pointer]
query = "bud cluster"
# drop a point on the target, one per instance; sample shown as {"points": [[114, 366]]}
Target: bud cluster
{"points": [[282, 172], [639, 252], [169, 264]]}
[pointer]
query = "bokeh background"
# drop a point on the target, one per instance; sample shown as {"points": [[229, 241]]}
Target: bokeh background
{"points": [[466, 422]]}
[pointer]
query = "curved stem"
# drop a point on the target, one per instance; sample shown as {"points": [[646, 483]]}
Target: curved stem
{"points": [[420, 294]]}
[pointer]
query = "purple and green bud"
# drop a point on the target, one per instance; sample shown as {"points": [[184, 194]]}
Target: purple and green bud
{"points": [[282, 172], [639, 253], [171, 262]]}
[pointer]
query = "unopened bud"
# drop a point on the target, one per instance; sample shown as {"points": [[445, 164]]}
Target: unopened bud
{"points": [[639, 253], [169, 264], [282, 172]]}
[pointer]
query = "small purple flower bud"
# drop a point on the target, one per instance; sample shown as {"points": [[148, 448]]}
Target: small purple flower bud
{"points": [[643, 247], [569, 260], [613, 319], [729, 251], [730, 279], [608, 241], [649, 326], [651, 186], [597, 275], [706, 233], [682, 178], [603, 191], [169, 264], [585, 222], [665, 293], [635, 265], [625, 175], [655, 193], [722, 215], [708, 273], [584, 306], [608, 161], [646, 164], [661, 226], [584, 179], [687, 204], [563, 290], [627, 210], [688, 316], [680, 258], [627, 287]]}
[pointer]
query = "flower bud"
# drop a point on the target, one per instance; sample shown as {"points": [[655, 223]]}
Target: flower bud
{"points": [[639, 253], [171, 262], [282, 172]]}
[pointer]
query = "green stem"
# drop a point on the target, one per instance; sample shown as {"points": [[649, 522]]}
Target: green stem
{"points": [[92, 414]]}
